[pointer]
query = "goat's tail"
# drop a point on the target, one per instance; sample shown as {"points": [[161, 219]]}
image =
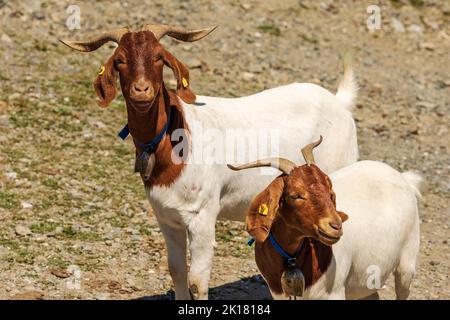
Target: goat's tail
{"points": [[414, 180], [348, 88]]}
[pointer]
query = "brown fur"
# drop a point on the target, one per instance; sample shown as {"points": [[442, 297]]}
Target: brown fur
{"points": [[299, 204], [257, 225], [166, 171], [140, 56], [313, 261], [105, 85]]}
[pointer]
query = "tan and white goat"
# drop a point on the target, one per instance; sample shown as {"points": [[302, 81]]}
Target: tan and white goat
{"points": [[303, 248]]}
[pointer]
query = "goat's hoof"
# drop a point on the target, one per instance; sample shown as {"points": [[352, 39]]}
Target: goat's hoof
{"points": [[193, 291]]}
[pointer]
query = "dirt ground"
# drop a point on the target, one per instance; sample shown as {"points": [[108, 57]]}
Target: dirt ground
{"points": [[74, 220]]}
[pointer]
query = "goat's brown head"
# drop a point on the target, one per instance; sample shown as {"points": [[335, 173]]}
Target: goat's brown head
{"points": [[138, 61], [302, 196]]}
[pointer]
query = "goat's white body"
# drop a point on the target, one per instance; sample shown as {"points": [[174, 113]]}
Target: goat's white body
{"points": [[380, 237], [203, 192], [301, 112]]}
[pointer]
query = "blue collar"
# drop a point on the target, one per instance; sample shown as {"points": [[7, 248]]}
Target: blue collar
{"points": [[289, 259], [152, 145]]}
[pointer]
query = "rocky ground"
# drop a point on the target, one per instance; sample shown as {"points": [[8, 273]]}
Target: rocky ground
{"points": [[74, 220]]}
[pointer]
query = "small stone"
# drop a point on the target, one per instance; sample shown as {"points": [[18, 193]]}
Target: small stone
{"points": [[420, 97], [434, 263], [427, 46], [39, 15], [26, 205], [414, 131], [377, 87], [397, 25], [87, 134], [124, 291], [5, 38], [75, 194], [415, 28], [136, 288], [102, 296], [22, 230], [4, 121], [87, 247], [434, 25], [11, 175], [446, 9], [114, 285], [324, 6], [60, 273], [194, 63], [40, 239], [247, 76], [426, 105], [29, 295], [14, 96], [100, 124]]}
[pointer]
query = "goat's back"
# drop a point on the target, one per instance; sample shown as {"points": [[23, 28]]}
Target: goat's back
{"points": [[383, 221], [292, 115]]}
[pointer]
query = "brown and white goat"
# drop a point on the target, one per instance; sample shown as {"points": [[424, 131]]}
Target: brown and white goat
{"points": [[139, 60], [188, 196], [300, 212]]}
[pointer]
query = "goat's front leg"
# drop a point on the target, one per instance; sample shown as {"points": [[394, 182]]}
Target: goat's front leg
{"points": [[201, 232], [176, 257]]}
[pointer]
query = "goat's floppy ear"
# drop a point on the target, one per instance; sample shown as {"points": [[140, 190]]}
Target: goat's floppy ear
{"points": [[343, 216], [263, 210], [105, 83], [182, 75]]}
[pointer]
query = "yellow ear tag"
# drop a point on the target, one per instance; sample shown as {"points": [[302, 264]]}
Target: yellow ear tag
{"points": [[101, 71], [263, 209], [184, 82]]}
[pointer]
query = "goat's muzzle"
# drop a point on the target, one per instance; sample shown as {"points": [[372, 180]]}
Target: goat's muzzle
{"points": [[142, 93], [329, 230]]}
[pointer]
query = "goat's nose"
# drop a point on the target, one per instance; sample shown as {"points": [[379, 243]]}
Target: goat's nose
{"points": [[141, 87], [335, 225]]}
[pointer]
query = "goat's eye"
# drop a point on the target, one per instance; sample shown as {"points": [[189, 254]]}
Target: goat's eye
{"points": [[333, 197], [118, 62], [296, 196]]}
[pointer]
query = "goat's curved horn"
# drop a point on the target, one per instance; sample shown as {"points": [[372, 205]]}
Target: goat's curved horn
{"points": [[96, 42], [307, 151], [160, 30], [281, 164]]}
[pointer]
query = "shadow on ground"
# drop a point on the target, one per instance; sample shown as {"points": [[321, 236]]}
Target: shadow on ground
{"points": [[250, 288]]}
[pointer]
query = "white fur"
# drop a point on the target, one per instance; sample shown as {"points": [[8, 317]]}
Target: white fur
{"points": [[382, 231], [348, 87], [191, 205]]}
